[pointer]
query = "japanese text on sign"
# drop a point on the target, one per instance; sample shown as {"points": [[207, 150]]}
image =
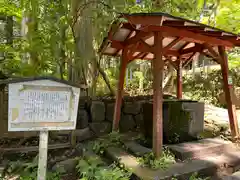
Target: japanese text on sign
{"points": [[48, 106]]}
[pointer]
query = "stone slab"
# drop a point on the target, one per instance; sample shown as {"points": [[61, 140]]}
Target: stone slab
{"points": [[100, 128], [136, 148], [230, 161], [179, 170], [91, 157], [68, 165], [97, 111], [235, 176], [201, 148]]}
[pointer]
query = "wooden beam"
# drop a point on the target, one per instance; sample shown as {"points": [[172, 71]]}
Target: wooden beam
{"points": [[132, 49], [129, 35], [179, 78], [158, 65], [210, 56], [196, 48], [146, 46], [173, 23], [195, 37], [213, 52], [186, 62], [174, 42], [137, 37], [118, 103], [143, 47], [129, 26], [187, 43], [145, 20], [27, 149], [139, 56], [173, 63], [228, 90]]}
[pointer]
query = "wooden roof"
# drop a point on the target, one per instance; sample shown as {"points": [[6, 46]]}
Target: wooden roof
{"points": [[182, 37]]}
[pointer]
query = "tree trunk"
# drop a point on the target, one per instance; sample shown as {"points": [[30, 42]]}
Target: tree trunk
{"points": [[105, 78], [9, 34], [62, 56]]}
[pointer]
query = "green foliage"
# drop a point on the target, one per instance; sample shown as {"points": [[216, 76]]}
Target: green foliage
{"points": [[112, 76], [228, 16], [194, 176], [208, 88], [163, 162], [99, 146], [28, 170], [9, 8], [63, 42], [92, 171]]}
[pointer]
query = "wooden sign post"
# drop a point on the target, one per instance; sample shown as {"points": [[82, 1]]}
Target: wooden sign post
{"points": [[43, 150], [43, 105]]}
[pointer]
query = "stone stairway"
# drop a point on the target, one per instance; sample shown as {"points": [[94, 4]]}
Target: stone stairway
{"points": [[213, 158]]}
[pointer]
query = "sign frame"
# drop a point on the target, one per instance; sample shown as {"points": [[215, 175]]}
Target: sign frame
{"points": [[28, 105], [42, 86]]}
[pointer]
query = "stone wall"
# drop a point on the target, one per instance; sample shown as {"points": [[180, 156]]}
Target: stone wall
{"points": [[98, 114], [95, 114]]}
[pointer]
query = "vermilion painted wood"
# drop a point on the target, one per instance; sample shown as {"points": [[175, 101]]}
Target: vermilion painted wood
{"points": [[158, 65], [196, 48], [185, 63], [195, 37], [213, 52], [174, 42], [162, 25], [228, 89], [173, 63], [118, 103], [179, 78]]}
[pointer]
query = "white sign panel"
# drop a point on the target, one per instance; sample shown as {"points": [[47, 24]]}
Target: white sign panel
{"points": [[42, 105]]}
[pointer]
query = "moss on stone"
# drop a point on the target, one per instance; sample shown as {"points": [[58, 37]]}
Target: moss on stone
{"points": [[178, 122]]}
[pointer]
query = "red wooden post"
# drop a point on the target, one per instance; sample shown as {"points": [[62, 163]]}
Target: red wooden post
{"points": [[179, 79], [118, 103], [158, 64], [228, 89]]}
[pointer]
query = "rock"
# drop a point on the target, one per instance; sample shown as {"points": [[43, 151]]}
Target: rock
{"points": [[82, 119], [132, 108], [83, 134], [140, 122], [97, 111], [100, 128], [67, 166], [127, 123], [110, 112]]}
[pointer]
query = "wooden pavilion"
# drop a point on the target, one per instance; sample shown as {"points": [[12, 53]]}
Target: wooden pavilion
{"points": [[164, 38]]}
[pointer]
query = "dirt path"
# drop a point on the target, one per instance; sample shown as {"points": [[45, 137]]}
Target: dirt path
{"points": [[218, 115]]}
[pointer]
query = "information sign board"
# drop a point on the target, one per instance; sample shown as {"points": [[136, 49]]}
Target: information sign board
{"points": [[42, 105]]}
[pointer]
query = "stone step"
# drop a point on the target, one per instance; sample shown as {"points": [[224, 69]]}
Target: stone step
{"points": [[201, 148], [179, 170], [229, 161], [91, 157], [136, 148], [234, 176]]}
